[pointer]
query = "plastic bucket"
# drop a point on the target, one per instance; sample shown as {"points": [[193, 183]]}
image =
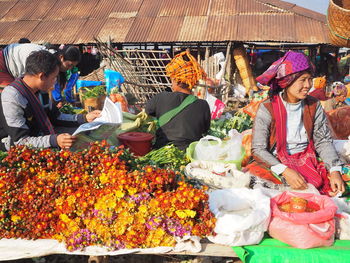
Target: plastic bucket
{"points": [[139, 143], [190, 155]]}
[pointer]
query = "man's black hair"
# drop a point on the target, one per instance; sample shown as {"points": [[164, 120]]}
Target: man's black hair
{"points": [[70, 53], [41, 62], [23, 40]]}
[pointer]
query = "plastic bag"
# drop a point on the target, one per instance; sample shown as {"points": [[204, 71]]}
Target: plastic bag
{"points": [[216, 106], [303, 230], [120, 98], [211, 148], [217, 175], [242, 216], [343, 149], [113, 79]]}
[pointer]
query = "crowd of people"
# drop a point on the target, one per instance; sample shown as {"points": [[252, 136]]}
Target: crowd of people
{"points": [[290, 128]]}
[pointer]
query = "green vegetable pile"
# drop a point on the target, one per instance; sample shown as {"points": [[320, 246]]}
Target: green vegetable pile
{"points": [[69, 109], [240, 121], [94, 92], [2, 155], [167, 156]]}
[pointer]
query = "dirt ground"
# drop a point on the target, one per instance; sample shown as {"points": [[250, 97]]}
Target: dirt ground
{"points": [[127, 259]]}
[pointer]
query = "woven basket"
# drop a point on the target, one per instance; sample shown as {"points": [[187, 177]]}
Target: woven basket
{"points": [[339, 22], [245, 71]]}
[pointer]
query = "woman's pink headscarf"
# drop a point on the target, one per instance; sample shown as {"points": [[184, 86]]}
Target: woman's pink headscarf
{"points": [[285, 70]]}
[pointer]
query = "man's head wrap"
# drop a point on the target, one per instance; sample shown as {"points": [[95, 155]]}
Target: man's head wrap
{"points": [[184, 68]]}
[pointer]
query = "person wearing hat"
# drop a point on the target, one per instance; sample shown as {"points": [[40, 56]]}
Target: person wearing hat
{"points": [[182, 117], [290, 131], [339, 94]]}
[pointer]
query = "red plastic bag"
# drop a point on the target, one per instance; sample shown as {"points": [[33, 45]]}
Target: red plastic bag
{"points": [[303, 230]]}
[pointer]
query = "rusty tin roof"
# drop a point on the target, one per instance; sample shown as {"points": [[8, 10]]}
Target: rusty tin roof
{"points": [[137, 21]]}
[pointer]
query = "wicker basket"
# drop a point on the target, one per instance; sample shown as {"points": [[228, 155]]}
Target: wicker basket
{"points": [[339, 22], [245, 71]]}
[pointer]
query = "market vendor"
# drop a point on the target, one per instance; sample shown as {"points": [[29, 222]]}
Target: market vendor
{"points": [[12, 66], [338, 96], [182, 117], [291, 128], [23, 118]]}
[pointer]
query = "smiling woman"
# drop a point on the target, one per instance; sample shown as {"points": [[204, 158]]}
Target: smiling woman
{"points": [[289, 130]]}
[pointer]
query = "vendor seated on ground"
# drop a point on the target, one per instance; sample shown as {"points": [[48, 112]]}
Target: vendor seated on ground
{"points": [[339, 94], [290, 128], [182, 118], [23, 119]]}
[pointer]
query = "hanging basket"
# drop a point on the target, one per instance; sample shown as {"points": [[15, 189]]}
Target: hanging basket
{"points": [[339, 22]]}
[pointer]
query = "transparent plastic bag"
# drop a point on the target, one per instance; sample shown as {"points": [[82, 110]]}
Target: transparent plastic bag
{"points": [[211, 148]]}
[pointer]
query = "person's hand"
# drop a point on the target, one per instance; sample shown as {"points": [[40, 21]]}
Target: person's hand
{"points": [[294, 179], [337, 183], [93, 115], [65, 140], [59, 105]]}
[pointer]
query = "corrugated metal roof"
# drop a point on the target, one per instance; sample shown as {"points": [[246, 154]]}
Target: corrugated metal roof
{"points": [[140, 29], [222, 8], [310, 30], [5, 7], [103, 8], [172, 8], [221, 27], [165, 29], [89, 30], [132, 21], [193, 29], [17, 30], [244, 6], [57, 31], [148, 9], [115, 29]]}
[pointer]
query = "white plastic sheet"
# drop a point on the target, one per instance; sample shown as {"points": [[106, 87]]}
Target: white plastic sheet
{"points": [[11, 249], [242, 216]]}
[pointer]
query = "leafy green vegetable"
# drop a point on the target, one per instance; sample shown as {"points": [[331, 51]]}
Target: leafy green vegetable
{"points": [[169, 156], [69, 109], [2, 155], [94, 92], [240, 121]]}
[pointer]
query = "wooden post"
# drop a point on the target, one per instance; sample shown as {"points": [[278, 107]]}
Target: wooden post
{"points": [[207, 60]]}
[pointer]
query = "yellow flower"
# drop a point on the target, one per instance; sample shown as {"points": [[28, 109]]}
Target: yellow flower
{"points": [[132, 191], [185, 213], [64, 218], [143, 208], [15, 218], [104, 178], [119, 194], [71, 200]]}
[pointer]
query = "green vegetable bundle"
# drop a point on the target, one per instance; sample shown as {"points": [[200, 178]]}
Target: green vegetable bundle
{"points": [[69, 109], [240, 121], [168, 155], [2, 155], [94, 92]]}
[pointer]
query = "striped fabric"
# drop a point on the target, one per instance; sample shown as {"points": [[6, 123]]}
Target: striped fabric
{"points": [[38, 110]]}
